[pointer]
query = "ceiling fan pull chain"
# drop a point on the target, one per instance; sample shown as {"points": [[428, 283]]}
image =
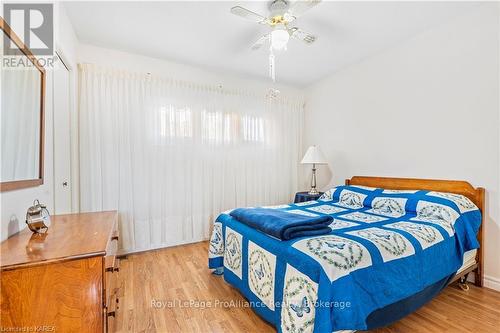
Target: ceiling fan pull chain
{"points": [[272, 71]]}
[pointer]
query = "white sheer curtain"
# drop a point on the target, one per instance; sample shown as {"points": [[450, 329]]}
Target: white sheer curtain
{"points": [[170, 156]]}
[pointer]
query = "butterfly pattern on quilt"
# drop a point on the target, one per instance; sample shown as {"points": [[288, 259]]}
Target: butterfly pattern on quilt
{"points": [[464, 204], [393, 207], [233, 249], [350, 199], [299, 296], [327, 196], [216, 246], [301, 308], [391, 244], [261, 268], [333, 245], [232, 253], [259, 271], [438, 214], [425, 234], [337, 255]]}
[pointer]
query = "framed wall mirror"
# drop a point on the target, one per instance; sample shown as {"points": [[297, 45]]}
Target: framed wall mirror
{"points": [[21, 114]]}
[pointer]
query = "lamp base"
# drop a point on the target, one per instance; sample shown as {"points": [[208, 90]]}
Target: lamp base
{"points": [[313, 191]]}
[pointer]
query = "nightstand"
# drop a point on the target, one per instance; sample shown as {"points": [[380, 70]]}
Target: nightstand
{"points": [[305, 196]]}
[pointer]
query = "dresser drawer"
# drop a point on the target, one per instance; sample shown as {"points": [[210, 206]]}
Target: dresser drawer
{"points": [[111, 249], [110, 312], [112, 266], [109, 287]]}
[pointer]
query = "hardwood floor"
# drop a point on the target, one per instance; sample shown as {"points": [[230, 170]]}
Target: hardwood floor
{"points": [[181, 273]]}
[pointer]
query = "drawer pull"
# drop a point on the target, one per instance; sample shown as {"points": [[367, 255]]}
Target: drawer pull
{"points": [[116, 269], [111, 313], [114, 238]]}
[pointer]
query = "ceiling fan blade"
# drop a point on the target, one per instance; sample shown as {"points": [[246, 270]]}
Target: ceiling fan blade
{"points": [[258, 44], [299, 7], [302, 35], [248, 14]]}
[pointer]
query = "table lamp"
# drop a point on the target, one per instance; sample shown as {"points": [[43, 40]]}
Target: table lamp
{"points": [[313, 156]]}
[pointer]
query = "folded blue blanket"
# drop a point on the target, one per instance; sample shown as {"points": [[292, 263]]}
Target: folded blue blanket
{"points": [[282, 225]]}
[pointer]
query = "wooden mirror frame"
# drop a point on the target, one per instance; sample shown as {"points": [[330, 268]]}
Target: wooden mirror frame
{"points": [[24, 183]]}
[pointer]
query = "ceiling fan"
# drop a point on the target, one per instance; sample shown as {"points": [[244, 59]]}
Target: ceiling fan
{"points": [[282, 13]]}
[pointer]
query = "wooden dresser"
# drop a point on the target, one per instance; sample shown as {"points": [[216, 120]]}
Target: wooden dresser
{"points": [[62, 281]]}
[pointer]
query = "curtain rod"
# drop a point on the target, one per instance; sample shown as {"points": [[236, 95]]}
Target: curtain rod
{"points": [[272, 93]]}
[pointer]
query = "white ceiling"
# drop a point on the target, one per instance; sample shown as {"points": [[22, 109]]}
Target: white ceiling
{"points": [[205, 34]]}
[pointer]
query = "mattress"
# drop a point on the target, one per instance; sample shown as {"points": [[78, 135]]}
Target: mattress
{"points": [[469, 260]]}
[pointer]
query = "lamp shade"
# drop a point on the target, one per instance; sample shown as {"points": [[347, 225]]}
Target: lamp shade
{"points": [[313, 156]]}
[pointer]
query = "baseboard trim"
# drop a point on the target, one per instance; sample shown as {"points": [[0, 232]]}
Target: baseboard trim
{"points": [[492, 282]]}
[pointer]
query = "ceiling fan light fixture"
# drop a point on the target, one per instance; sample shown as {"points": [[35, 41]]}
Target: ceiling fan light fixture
{"points": [[281, 14], [279, 38]]}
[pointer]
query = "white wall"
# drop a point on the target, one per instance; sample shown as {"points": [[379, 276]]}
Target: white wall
{"points": [[66, 39], [427, 108], [15, 203], [67, 46]]}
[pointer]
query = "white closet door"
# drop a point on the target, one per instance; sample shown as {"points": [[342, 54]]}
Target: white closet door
{"points": [[62, 139]]}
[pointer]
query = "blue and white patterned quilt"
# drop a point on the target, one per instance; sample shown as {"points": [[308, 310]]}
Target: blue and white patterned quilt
{"points": [[385, 246]]}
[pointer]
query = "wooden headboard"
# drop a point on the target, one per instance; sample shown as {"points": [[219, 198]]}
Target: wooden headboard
{"points": [[451, 186]]}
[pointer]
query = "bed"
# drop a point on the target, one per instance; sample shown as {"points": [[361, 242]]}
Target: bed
{"points": [[394, 244]]}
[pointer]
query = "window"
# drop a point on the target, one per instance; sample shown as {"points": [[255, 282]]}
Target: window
{"points": [[253, 129], [176, 122], [215, 127]]}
